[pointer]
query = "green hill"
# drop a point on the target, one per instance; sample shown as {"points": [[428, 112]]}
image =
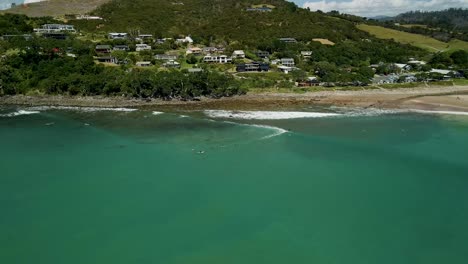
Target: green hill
{"points": [[428, 43], [224, 20]]}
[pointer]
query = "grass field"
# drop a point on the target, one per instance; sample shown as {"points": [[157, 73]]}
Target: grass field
{"points": [[417, 40]]}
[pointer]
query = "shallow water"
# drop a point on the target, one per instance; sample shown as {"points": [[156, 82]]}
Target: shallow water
{"points": [[87, 186]]}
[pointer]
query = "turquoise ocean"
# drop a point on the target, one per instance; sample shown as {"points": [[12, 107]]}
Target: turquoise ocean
{"points": [[352, 186]]}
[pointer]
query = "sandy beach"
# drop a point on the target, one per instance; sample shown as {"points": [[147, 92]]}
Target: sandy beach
{"points": [[443, 98]]}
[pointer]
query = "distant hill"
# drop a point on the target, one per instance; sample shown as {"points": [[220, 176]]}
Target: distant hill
{"points": [[450, 19], [56, 8]]}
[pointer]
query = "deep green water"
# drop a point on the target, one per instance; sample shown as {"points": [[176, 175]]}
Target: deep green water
{"points": [[131, 188]]}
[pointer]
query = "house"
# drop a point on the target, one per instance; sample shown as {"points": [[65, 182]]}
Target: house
{"points": [[253, 67], [172, 64], [288, 40], [145, 36], [238, 54], [385, 79], [408, 79], [447, 74], [209, 50], [194, 51], [187, 39], [55, 28], [402, 66], [107, 59], [262, 54], [306, 54], [286, 69], [103, 49], [416, 62], [142, 47], [121, 47], [165, 57], [217, 59], [117, 35], [288, 62], [310, 81], [143, 63]]}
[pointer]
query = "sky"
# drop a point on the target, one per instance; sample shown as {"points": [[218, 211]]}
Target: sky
{"points": [[356, 7]]}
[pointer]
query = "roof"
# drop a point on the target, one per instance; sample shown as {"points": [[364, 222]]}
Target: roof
{"points": [[287, 59], [239, 52], [440, 71], [401, 65], [103, 47], [324, 41]]}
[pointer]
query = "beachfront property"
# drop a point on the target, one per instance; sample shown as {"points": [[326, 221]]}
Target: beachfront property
{"points": [[117, 35], [217, 59], [238, 54], [143, 64], [253, 67], [288, 62], [447, 74], [309, 82], [55, 28], [172, 64], [142, 47], [121, 47], [288, 40], [385, 79], [165, 57], [103, 49]]}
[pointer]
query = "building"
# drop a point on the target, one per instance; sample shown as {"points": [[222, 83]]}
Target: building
{"points": [[194, 51], [55, 28], [142, 47], [172, 64], [286, 69], [310, 81], [187, 39], [288, 40], [253, 67], [217, 59], [209, 50], [143, 64], [145, 36], [117, 35], [107, 59], [121, 47], [416, 62], [288, 62], [165, 57], [402, 66], [306, 55], [385, 79], [238, 54], [103, 49], [262, 54]]}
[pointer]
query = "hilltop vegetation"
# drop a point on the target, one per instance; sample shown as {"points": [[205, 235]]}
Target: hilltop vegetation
{"points": [[452, 19]]}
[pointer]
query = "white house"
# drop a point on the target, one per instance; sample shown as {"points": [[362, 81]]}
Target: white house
{"points": [[238, 54], [117, 35], [141, 47], [306, 54], [187, 39], [402, 66], [194, 51], [217, 59], [288, 62]]}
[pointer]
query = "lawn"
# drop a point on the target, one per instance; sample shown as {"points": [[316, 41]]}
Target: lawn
{"points": [[417, 40]]}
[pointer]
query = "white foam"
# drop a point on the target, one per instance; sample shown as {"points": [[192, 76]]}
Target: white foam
{"points": [[157, 113], [19, 112], [265, 115], [277, 130], [438, 112], [346, 111], [83, 109]]}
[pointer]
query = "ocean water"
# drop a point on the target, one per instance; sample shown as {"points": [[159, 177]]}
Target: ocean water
{"points": [[350, 186]]}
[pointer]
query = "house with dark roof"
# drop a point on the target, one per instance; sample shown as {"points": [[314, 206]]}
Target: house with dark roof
{"points": [[253, 67], [103, 49]]}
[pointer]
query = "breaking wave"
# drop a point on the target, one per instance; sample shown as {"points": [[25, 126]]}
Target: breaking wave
{"points": [[265, 115], [276, 130], [438, 112], [83, 109], [157, 113], [19, 112]]}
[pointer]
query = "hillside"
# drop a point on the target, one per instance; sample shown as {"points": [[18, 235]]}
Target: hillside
{"points": [[223, 20], [450, 19], [424, 42], [56, 8]]}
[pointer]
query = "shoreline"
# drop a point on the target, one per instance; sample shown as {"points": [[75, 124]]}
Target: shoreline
{"points": [[440, 98]]}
